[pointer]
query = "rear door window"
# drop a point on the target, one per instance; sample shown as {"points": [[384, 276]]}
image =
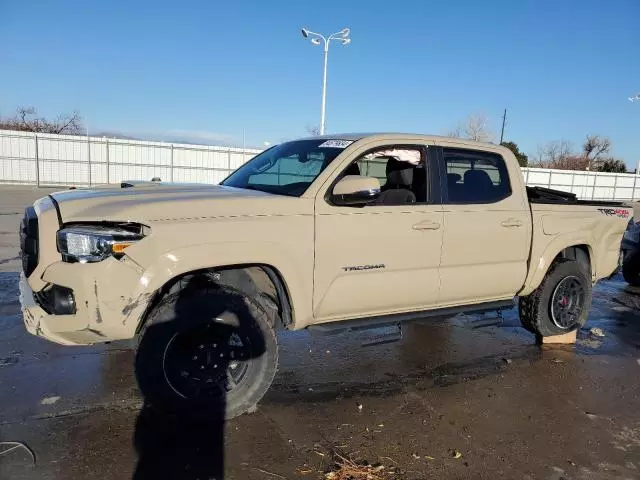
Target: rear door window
{"points": [[474, 177]]}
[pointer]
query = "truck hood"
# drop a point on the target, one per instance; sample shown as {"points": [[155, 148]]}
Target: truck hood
{"points": [[170, 202]]}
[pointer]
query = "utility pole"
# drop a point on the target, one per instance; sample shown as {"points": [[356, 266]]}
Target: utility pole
{"points": [[504, 120]]}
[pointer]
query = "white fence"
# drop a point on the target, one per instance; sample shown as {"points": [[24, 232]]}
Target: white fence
{"points": [[44, 159], [586, 185]]}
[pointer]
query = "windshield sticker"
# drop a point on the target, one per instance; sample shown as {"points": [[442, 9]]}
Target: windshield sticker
{"points": [[336, 144]]}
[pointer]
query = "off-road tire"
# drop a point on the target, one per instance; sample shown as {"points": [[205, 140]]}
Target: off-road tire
{"points": [[535, 308], [631, 268], [197, 307]]}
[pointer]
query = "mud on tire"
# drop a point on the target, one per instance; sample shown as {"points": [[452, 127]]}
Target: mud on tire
{"points": [[561, 302], [209, 351]]}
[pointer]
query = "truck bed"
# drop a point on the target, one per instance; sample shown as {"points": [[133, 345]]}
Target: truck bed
{"points": [[558, 197], [559, 218]]}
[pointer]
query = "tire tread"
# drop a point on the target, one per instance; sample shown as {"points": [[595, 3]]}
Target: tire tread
{"points": [[267, 316], [534, 310]]}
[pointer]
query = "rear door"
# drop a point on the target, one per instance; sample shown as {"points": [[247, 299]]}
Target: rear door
{"points": [[487, 227], [380, 258]]}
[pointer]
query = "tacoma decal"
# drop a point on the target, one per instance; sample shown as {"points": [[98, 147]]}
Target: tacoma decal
{"points": [[363, 267], [618, 212]]}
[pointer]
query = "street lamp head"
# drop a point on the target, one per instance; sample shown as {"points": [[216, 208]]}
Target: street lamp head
{"points": [[346, 41], [345, 32], [305, 32], [315, 41]]}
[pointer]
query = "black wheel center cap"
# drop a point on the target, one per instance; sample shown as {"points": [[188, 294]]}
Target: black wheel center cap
{"points": [[208, 360]]}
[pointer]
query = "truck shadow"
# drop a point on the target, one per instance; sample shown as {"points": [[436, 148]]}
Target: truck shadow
{"points": [[180, 439], [179, 446]]}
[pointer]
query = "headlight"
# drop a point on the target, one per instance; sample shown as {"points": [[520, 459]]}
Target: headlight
{"points": [[94, 243]]}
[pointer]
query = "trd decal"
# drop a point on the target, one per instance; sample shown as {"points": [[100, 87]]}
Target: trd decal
{"points": [[363, 267], [617, 212]]}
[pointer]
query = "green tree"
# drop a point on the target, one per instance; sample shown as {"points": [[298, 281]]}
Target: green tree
{"points": [[523, 160], [612, 165]]}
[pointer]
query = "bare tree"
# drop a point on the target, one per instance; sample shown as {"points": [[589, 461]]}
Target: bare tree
{"points": [[594, 148], [594, 156], [26, 120], [457, 133], [475, 127], [557, 154], [538, 157], [313, 130], [557, 151], [570, 162]]}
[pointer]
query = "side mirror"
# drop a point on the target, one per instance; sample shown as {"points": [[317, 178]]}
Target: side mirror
{"points": [[355, 190]]}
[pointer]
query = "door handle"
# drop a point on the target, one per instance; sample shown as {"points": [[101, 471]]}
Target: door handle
{"points": [[512, 222], [428, 225]]}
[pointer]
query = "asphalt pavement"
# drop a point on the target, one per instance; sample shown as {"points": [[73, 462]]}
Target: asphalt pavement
{"points": [[462, 397]]}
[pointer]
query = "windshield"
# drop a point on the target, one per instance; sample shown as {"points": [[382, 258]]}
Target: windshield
{"points": [[288, 168]]}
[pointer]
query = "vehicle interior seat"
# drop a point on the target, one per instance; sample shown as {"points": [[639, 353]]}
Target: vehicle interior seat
{"points": [[478, 184], [419, 186], [352, 169], [454, 187], [397, 190]]}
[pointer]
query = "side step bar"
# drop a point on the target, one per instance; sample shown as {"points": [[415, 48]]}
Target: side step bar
{"points": [[386, 320], [388, 338]]}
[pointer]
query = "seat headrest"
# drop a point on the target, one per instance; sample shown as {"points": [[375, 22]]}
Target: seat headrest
{"points": [[399, 173], [477, 179], [352, 169], [453, 178]]}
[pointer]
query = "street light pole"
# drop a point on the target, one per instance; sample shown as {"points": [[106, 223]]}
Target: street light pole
{"points": [[324, 88], [318, 39]]}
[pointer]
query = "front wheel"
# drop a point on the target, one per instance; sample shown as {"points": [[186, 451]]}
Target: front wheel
{"points": [[208, 351], [561, 302]]}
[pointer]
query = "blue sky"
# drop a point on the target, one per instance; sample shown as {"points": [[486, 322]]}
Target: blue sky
{"points": [[208, 70]]}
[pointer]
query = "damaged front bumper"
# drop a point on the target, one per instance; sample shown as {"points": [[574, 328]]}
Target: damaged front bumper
{"points": [[107, 307], [76, 303], [36, 320]]}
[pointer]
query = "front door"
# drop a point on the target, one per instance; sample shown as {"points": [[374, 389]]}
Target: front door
{"points": [[486, 228], [384, 257]]}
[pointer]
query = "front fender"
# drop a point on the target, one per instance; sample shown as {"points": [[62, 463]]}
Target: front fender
{"points": [[297, 272]]}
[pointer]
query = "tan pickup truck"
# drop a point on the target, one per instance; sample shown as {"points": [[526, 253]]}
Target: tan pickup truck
{"points": [[334, 232]]}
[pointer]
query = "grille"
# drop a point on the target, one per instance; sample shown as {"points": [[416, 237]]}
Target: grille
{"points": [[29, 241]]}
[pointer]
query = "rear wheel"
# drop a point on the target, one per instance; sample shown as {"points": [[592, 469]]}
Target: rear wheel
{"points": [[561, 303], [209, 350]]}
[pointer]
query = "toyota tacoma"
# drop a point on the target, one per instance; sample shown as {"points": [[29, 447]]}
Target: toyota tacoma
{"points": [[326, 233]]}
